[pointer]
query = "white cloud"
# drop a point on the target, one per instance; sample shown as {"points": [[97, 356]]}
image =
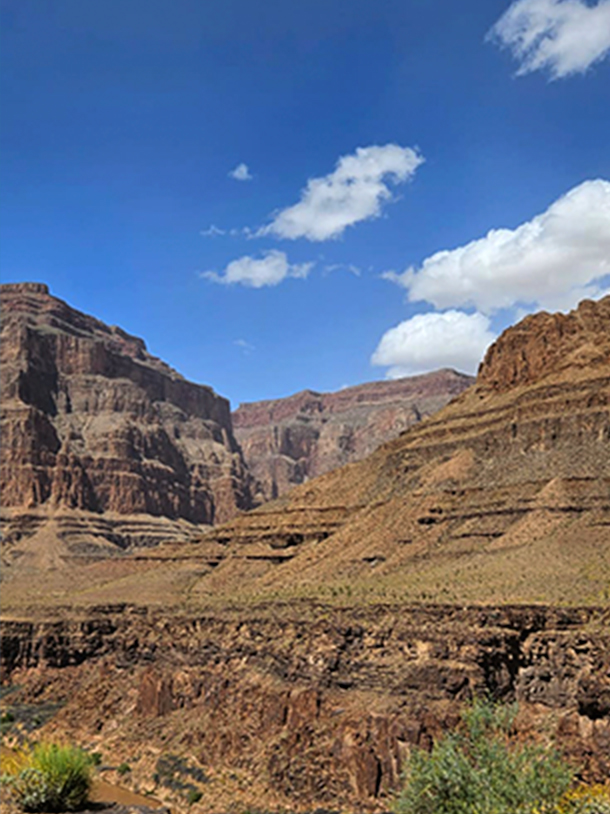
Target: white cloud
{"points": [[354, 192], [241, 173], [551, 261], [212, 231], [269, 270], [355, 270], [432, 341], [564, 37]]}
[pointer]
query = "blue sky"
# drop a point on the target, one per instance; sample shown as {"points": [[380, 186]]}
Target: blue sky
{"points": [[374, 136]]}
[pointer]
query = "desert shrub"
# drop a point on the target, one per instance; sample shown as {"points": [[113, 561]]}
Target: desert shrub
{"points": [[123, 769], [193, 796], [476, 770], [48, 777], [586, 800]]}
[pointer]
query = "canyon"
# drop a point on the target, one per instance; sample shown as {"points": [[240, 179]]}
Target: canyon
{"points": [[291, 440], [293, 656]]}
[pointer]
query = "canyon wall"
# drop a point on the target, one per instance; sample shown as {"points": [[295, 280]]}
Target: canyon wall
{"points": [[291, 440], [310, 706], [91, 422]]}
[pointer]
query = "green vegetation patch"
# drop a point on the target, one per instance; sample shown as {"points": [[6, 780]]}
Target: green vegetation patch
{"points": [[48, 777], [480, 770]]}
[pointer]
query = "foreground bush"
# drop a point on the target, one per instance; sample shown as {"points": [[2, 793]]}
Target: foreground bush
{"points": [[477, 771], [48, 777]]}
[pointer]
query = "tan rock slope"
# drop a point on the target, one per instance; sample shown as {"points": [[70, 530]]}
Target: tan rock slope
{"points": [[103, 445], [502, 496], [291, 440]]}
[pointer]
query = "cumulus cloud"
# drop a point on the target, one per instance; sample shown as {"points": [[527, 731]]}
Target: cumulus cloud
{"points": [[564, 37], [431, 341], [269, 270], [354, 192], [241, 173], [552, 261]]}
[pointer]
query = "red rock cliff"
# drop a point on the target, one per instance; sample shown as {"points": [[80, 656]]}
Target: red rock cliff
{"points": [[91, 421], [288, 441]]}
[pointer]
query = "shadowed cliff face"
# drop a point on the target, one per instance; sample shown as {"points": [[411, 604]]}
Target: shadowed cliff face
{"points": [[288, 441], [92, 422]]}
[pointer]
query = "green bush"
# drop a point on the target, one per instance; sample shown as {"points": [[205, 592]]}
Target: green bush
{"points": [[124, 768], [193, 796], [49, 777], [476, 770]]}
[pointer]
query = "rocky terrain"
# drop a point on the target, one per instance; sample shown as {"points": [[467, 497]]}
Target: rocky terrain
{"points": [[289, 441], [103, 445], [306, 705], [292, 657]]}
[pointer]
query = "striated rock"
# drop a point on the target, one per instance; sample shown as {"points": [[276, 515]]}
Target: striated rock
{"points": [[91, 422], [313, 711], [300, 651], [543, 344], [502, 495], [288, 441]]}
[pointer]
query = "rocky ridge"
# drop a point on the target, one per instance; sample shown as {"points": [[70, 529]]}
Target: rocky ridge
{"points": [[95, 429], [291, 440], [511, 481]]}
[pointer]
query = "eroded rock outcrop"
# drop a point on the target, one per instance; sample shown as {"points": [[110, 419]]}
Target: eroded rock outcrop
{"points": [[312, 705], [94, 426], [291, 440]]}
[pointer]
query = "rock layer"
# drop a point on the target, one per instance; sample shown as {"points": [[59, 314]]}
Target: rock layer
{"points": [[92, 422], [505, 493], [288, 441], [309, 705]]}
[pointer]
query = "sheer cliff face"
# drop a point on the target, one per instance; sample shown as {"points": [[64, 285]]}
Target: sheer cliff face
{"points": [[288, 441], [92, 422]]}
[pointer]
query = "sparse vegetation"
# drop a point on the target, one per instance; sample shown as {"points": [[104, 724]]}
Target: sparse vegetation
{"points": [[123, 769], [176, 773], [477, 770], [48, 777], [193, 796]]}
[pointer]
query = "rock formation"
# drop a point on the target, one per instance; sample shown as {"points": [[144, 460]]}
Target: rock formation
{"points": [[292, 708], [288, 441], [296, 654], [502, 495], [102, 438]]}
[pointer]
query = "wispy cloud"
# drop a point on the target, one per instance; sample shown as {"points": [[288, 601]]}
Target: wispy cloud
{"points": [[355, 191], [350, 267], [269, 270], [241, 173], [246, 347], [564, 37], [551, 261], [212, 231]]}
